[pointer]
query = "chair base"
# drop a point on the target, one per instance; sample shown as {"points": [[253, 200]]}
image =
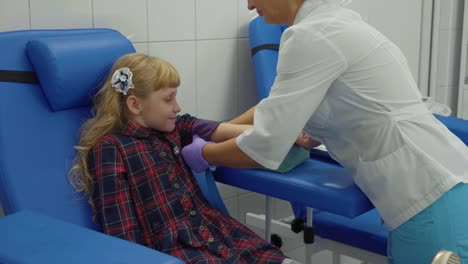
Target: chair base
{"points": [[283, 228], [446, 257]]}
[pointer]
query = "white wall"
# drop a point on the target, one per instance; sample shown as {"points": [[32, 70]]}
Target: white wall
{"points": [[448, 59], [399, 20]]}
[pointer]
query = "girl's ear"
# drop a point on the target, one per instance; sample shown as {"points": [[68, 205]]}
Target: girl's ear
{"points": [[134, 105]]}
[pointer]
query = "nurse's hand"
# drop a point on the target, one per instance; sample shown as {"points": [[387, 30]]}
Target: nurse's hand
{"points": [[307, 142], [193, 156]]}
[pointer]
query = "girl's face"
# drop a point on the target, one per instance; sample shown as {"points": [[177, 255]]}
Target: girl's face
{"points": [[276, 11], [159, 110]]}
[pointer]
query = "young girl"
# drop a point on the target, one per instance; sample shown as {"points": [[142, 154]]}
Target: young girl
{"points": [[129, 164]]}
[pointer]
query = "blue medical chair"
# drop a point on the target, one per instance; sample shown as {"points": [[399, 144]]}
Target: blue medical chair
{"points": [[366, 231], [47, 80]]}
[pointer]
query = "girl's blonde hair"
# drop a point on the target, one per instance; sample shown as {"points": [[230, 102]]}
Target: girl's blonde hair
{"points": [[111, 114]]}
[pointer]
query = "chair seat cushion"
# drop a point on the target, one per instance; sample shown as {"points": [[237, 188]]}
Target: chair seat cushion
{"points": [[29, 237]]}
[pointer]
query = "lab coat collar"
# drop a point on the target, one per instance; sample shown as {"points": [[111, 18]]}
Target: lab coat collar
{"points": [[307, 7]]}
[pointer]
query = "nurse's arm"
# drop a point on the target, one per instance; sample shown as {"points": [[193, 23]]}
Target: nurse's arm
{"points": [[228, 154]]}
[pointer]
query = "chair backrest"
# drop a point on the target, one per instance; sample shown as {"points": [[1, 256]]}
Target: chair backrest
{"points": [[39, 121], [264, 42]]}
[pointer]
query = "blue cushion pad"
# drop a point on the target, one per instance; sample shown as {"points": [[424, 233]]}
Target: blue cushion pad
{"points": [[71, 68]]}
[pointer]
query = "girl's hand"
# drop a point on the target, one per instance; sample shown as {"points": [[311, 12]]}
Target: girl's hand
{"points": [[193, 156], [307, 142]]}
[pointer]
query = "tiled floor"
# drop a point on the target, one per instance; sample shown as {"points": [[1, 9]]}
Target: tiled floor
{"points": [[295, 250], [322, 257]]}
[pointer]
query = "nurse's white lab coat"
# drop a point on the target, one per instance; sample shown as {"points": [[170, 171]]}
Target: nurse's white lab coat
{"points": [[348, 86]]}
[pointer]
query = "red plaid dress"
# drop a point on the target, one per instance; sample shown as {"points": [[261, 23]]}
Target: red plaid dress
{"points": [[145, 193]]}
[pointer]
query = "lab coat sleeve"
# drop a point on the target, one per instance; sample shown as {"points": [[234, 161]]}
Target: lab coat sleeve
{"points": [[308, 63]]}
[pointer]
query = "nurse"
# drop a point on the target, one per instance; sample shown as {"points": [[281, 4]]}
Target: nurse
{"points": [[345, 84]]}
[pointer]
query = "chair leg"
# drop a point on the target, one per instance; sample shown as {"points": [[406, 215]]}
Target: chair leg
{"points": [[308, 246], [268, 217], [336, 258]]}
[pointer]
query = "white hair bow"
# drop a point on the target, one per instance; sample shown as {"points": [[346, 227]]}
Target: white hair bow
{"points": [[122, 80]]}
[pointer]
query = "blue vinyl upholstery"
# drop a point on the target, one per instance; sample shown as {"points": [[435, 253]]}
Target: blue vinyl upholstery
{"points": [[29, 237], [36, 142], [314, 183], [64, 66]]}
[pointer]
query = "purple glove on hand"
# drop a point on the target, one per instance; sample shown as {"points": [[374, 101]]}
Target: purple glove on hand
{"points": [[193, 154]]}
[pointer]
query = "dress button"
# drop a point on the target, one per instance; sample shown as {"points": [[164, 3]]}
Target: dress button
{"points": [[176, 185], [184, 199], [220, 247], [210, 240], [202, 228], [193, 213], [163, 154]]}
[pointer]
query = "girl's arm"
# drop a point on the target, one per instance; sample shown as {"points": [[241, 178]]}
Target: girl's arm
{"points": [[246, 118], [227, 131]]}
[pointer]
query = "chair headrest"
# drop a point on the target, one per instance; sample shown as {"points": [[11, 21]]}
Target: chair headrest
{"points": [[70, 69]]}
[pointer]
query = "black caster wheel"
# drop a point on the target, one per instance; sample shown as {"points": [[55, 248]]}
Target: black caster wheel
{"points": [[297, 225], [276, 240]]}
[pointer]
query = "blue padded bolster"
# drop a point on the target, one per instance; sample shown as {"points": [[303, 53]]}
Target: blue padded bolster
{"points": [[365, 231], [71, 68], [31, 238], [15, 42], [317, 184]]}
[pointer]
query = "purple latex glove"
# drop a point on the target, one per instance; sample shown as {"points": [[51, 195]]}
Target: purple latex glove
{"points": [[193, 156]]}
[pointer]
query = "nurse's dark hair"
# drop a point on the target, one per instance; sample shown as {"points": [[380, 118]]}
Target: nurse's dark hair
{"points": [[111, 113]]}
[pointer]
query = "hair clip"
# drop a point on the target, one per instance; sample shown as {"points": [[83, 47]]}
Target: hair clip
{"points": [[122, 80]]}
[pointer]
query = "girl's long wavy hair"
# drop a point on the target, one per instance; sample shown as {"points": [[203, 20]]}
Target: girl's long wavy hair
{"points": [[111, 114]]}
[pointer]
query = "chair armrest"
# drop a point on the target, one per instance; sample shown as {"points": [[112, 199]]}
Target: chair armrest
{"points": [[457, 126], [29, 237]]}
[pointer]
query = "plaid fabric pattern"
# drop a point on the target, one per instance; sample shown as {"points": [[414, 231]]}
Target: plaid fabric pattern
{"points": [[145, 193]]}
